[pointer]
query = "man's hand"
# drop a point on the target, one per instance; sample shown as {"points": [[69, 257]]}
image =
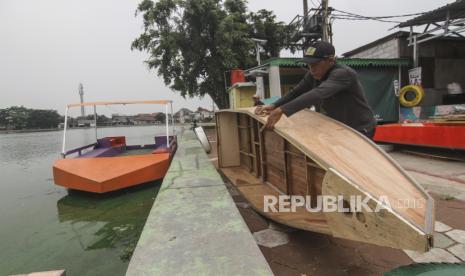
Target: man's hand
{"points": [[274, 117], [264, 109]]}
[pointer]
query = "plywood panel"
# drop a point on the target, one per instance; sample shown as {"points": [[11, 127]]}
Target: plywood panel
{"points": [[297, 175], [228, 140], [301, 219], [246, 162], [240, 176], [274, 153], [255, 191], [384, 227], [275, 177], [244, 138]]}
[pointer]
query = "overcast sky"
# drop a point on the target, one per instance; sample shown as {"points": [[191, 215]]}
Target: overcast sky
{"points": [[47, 47]]}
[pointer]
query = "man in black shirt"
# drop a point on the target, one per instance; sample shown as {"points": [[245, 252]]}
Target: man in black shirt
{"points": [[338, 92]]}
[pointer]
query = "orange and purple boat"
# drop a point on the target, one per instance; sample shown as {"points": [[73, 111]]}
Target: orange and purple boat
{"points": [[110, 164]]}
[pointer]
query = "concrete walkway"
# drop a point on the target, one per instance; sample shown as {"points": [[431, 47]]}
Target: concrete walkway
{"points": [[194, 227], [445, 178]]}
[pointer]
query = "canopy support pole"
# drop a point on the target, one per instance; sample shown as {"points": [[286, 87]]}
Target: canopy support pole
{"points": [[167, 126], [95, 122], [63, 153]]}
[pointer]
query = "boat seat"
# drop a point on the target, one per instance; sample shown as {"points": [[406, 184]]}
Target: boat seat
{"points": [[102, 152]]}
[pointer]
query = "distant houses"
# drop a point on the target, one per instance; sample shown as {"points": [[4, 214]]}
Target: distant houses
{"points": [[117, 119], [204, 115], [149, 119], [184, 115]]}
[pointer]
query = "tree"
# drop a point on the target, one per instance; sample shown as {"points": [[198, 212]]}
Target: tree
{"points": [[19, 117], [192, 43], [38, 118]]}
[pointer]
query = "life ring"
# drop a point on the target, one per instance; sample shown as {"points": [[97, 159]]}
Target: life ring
{"points": [[203, 139], [406, 91]]}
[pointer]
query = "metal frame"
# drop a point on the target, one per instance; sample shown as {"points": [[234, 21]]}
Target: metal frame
{"points": [[445, 28], [94, 104], [95, 121], [63, 150], [167, 126]]}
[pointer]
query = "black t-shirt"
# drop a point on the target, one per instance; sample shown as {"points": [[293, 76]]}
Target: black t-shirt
{"points": [[340, 94]]}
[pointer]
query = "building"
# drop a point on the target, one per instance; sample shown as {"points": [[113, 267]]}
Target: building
{"points": [[146, 118], [203, 114], [240, 94], [442, 62], [183, 115], [85, 122], [121, 119]]}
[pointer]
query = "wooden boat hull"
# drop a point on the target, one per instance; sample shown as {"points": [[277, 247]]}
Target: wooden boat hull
{"points": [[105, 174], [312, 155], [109, 164]]}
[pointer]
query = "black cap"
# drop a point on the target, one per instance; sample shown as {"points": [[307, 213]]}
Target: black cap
{"points": [[317, 51]]}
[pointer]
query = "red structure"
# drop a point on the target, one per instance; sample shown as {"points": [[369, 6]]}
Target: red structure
{"points": [[237, 75], [450, 136]]}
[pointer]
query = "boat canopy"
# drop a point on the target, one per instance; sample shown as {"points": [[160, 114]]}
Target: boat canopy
{"points": [[95, 104], [121, 102]]}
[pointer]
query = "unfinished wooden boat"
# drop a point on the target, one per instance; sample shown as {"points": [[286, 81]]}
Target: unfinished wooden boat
{"points": [[312, 155], [110, 164]]}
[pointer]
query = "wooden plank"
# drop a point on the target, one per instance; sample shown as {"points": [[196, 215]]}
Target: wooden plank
{"points": [[247, 154], [262, 152], [297, 174], [275, 177], [244, 141], [253, 146], [227, 140], [385, 228], [245, 162], [286, 182], [244, 138], [301, 219], [240, 176], [254, 191]]}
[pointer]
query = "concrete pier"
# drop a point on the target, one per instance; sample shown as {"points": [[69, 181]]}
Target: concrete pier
{"points": [[194, 226]]}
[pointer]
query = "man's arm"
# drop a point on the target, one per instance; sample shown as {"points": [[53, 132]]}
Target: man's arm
{"points": [[337, 81], [303, 86]]}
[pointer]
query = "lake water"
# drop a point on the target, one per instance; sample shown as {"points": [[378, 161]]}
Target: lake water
{"points": [[45, 227]]}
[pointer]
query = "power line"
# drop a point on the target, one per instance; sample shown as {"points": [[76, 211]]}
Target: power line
{"points": [[362, 18], [376, 17], [340, 14]]}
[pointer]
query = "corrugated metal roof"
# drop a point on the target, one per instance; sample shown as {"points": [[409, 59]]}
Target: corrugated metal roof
{"points": [[353, 62], [456, 10], [364, 62], [240, 84]]}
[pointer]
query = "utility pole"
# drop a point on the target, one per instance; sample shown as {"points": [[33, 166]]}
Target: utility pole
{"points": [[324, 4], [305, 12], [81, 95], [259, 79]]}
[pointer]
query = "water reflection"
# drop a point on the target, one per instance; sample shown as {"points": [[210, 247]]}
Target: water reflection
{"points": [[115, 220], [42, 227]]}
